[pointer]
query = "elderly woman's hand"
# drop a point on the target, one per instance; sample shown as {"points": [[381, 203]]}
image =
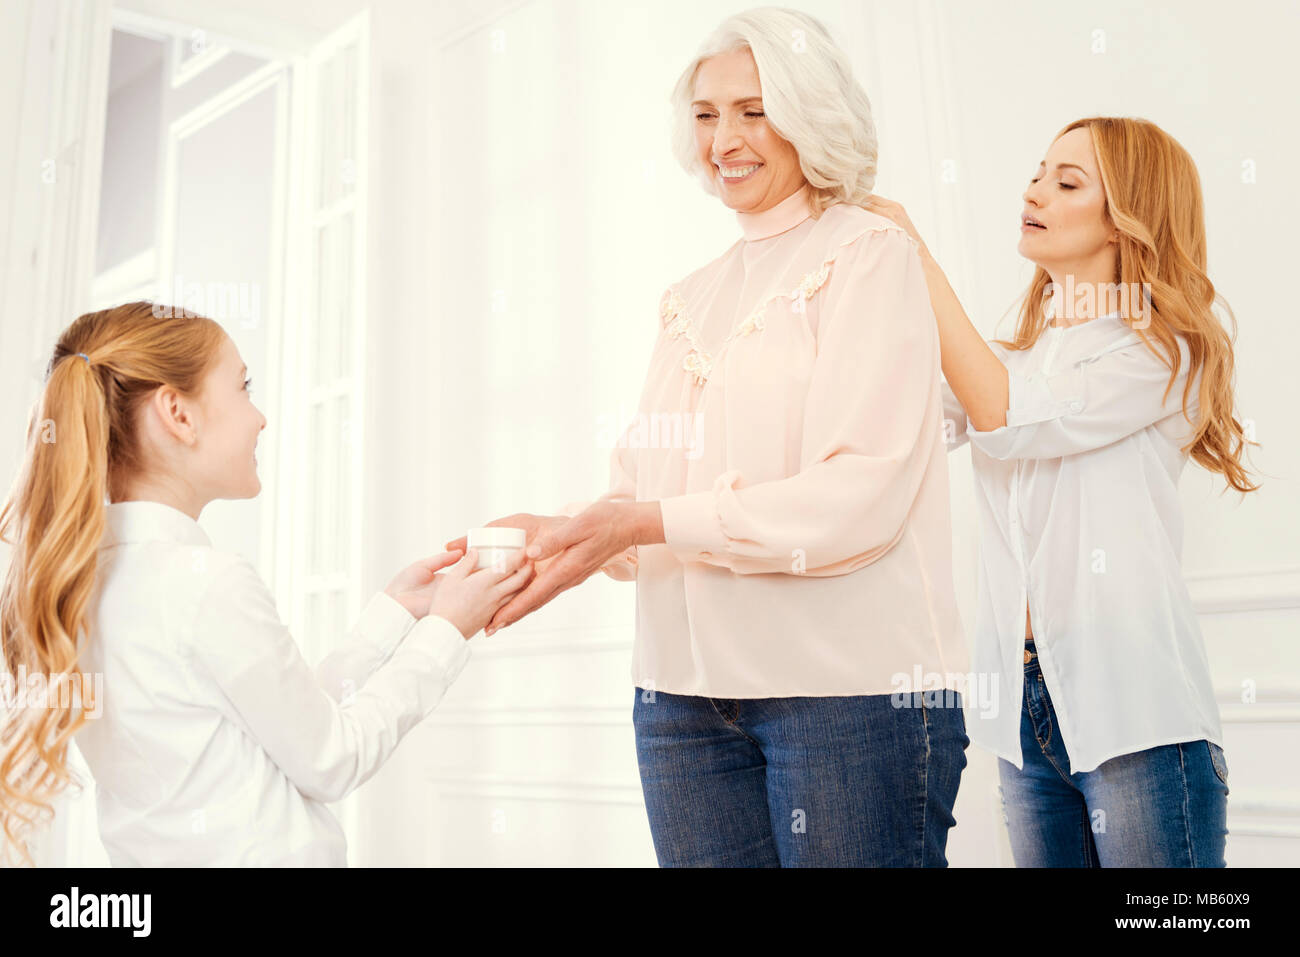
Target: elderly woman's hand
{"points": [[533, 526], [894, 212], [580, 547]]}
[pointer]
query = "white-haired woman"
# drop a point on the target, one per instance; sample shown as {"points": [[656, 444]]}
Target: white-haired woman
{"points": [[794, 585]]}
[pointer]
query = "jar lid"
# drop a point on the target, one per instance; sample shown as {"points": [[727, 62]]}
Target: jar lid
{"points": [[496, 537]]}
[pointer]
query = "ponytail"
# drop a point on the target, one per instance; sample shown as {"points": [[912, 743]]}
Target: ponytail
{"points": [[81, 444]]}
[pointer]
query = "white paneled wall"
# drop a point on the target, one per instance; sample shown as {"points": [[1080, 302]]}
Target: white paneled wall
{"points": [[524, 215]]}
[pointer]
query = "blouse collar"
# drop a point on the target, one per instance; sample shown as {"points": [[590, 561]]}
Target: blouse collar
{"points": [[143, 521], [787, 214], [1049, 313]]}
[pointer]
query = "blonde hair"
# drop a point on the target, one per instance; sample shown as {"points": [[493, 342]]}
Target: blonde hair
{"points": [[1153, 199], [809, 96], [81, 445]]}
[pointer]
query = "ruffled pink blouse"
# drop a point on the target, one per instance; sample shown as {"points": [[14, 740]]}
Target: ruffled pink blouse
{"points": [[791, 428]]}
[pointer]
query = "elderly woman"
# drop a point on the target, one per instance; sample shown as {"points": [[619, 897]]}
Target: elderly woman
{"points": [[793, 570]]}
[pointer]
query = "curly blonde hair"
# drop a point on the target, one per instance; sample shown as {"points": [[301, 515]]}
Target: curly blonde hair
{"points": [[1153, 199]]}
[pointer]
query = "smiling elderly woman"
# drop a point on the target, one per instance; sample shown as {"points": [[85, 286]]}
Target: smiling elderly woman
{"points": [[794, 583]]}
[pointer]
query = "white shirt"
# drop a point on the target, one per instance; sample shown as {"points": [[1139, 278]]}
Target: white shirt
{"points": [[217, 743], [1080, 516]]}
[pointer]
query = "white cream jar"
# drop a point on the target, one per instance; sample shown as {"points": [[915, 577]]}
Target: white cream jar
{"points": [[495, 544]]}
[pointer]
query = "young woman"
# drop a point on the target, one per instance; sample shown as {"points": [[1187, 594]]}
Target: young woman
{"points": [[213, 742], [1079, 429]]}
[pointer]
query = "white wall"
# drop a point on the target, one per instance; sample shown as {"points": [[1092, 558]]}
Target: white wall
{"points": [[558, 217], [526, 214], [129, 181]]}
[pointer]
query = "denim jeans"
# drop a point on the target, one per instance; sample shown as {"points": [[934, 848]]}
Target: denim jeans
{"points": [[852, 781], [1162, 807]]}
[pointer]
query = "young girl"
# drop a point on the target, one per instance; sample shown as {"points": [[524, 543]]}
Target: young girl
{"points": [[1079, 429], [213, 742]]}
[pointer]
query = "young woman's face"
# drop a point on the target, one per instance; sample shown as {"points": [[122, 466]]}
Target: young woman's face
{"points": [[1067, 199], [228, 428], [732, 134]]}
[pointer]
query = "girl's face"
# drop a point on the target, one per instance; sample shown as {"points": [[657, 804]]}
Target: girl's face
{"points": [[1066, 198], [224, 462], [732, 134]]}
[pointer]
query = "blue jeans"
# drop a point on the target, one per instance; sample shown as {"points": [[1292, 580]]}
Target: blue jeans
{"points": [[1161, 807], [851, 781]]}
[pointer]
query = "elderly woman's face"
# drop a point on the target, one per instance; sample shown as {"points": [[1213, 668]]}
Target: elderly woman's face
{"points": [[754, 167]]}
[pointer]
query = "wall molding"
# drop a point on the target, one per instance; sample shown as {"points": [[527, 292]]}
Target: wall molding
{"points": [[1237, 590], [184, 69], [247, 32], [551, 790], [564, 640], [530, 715], [1263, 812], [1274, 704], [132, 278]]}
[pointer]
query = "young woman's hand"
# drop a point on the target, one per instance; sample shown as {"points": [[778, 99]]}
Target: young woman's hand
{"points": [[468, 598], [895, 213], [413, 586]]}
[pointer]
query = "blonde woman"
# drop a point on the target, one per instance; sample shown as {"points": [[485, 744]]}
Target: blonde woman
{"points": [[796, 622], [213, 742], [1110, 746]]}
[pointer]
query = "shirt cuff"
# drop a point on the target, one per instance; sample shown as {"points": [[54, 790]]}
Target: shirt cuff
{"points": [[622, 567], [1029, 402], [441, 641], [1033, 400], [384, 621], [692, 528]]}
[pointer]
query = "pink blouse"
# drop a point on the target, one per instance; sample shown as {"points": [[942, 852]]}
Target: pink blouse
{"points": [[791, 428]]}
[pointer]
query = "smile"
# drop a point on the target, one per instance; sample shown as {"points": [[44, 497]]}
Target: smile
{"points": [[738, 173]]}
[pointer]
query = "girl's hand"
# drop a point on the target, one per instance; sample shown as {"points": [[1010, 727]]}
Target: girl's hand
{"points": [[468, 598], [895, 213], [413, 587]]}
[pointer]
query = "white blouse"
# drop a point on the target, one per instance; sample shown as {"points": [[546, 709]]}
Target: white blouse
{"points": [[217, 744], [1080, 517]]}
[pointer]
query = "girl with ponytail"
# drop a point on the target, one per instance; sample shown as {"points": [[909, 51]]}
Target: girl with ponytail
{"points": [[1103, 715], [210, 739]]}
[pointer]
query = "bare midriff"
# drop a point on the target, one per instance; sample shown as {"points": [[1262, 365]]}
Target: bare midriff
{"points": [[1029, 633]]}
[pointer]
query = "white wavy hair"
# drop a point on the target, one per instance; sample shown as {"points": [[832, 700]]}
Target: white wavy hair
{"points": [[809, 96]]}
